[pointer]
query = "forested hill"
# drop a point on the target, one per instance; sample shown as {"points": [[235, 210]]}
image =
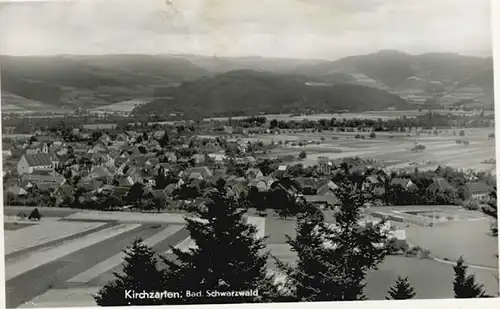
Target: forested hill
{"points": [[246, 92]]}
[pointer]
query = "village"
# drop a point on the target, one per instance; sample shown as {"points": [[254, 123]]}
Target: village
{"points": [[100, 167]]}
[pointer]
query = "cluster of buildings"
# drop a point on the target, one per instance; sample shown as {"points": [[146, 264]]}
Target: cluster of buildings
{"points": [[113, 162]]}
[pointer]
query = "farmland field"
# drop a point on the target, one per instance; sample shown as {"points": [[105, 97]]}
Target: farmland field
{"points": [[385, 115], [125, 106], [393, 149]]}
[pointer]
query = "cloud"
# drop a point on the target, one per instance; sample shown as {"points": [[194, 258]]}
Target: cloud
{"points": [[286, 28]]}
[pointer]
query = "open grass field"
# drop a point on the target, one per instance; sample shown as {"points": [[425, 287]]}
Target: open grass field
{"points": [[394, 149], [363, 115], [124, 106]]}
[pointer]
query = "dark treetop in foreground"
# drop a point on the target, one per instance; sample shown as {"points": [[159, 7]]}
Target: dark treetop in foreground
{"points": [[464, 285], [140, 273], [401, 290], [228, 255]]}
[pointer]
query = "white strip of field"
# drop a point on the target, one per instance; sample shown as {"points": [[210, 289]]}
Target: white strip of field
{"points": [[165, 218], [117, 259], [185, 245], [64, 298], [189, 243], [44, 232], [39, 258]]}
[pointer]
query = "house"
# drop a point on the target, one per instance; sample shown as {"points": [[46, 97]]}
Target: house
{"points": [[478, 190], [169, 190], [101, 173], [98, 148], [323, 201], [35, 147], [198, 158], [289, 186], [99, 127], [195, 175], [6, 153], [383, 175], [217, 157], [254, 173], [263, 184], [171, 157], [42, 178], [204, 171], [324, 165], [124, 181], [16, 190], [327, 189], [405, 183], [440, 184], [30, 163]]}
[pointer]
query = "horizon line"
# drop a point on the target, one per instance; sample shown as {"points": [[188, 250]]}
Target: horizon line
{"points": [[245, 56]]}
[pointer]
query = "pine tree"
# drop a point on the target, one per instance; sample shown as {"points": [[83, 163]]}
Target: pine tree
{"points": [[355, 249], [35, 215], [140, 273], [313, 278], [401, 290], [333, 260], [228, 256], [464, 285]]}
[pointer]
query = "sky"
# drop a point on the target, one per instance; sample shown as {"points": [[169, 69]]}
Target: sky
{"points": [[325, 29]]}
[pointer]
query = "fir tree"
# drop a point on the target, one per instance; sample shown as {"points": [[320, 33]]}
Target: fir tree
{"points": [[228, 256], [401, 290], [164, 140], [313, 278], [464, 285], [35, 215], [354, 249], [140, 273], [333, 260]]}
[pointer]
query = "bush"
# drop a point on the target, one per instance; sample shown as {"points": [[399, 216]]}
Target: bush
{"points": [[302, 155], [373, 135], [425, 254], [471, 205], [396, 247], [35, 215], [458, 141], [358, 136], [418, 252]]}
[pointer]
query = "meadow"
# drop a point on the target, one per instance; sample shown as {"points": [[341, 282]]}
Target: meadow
{"points": [[384, 115], [391, 149]]}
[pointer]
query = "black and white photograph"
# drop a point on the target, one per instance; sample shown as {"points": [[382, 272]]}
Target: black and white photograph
{"points": [[192, 152]]}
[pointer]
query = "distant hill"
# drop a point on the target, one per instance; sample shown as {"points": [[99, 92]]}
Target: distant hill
{"points": [[393, 67], [246, 92], [13, 103], [403, 74], [92, 80], [274, 65]]}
